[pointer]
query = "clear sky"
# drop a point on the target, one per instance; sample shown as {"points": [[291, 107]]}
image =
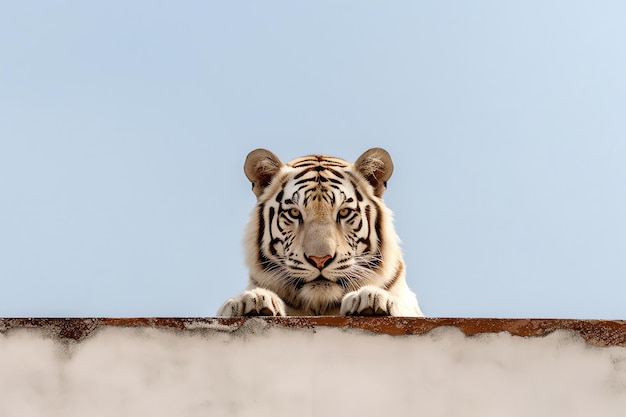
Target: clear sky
{"points": [[124, 127]]}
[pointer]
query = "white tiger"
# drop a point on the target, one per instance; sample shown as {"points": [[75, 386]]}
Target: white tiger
{"points": [[321, 240]]}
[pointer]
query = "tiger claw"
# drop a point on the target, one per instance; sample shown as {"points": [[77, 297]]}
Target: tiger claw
{"points": [[255, 302], [368, 301]]}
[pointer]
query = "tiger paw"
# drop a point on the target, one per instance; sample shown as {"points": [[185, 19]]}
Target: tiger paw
{"points": [[255, 302], [369, 301]]}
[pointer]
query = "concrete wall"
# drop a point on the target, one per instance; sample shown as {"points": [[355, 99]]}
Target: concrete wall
{"points": [[311, 367]]}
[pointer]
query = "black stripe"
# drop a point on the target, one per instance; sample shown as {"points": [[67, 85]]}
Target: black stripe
{"points": [[261, 225], [271, 215], [396, 276], [366, 240], [305, 163], [379, 225], [335, 172], [299, 283], [359, 197], [266, 262], [272, 249], [306, 171], [305, 180]]}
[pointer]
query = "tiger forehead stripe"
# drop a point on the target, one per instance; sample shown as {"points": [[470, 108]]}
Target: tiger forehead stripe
{"points": [[319, 176], [318, 160]]}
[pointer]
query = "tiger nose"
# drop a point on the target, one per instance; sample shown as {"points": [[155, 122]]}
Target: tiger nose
{"points": [[319, 262]]}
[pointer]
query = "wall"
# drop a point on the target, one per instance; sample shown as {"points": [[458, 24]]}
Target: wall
{"points": [[311, 367]]}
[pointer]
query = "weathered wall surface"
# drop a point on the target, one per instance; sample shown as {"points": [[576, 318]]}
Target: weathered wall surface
{"points": [[311, 367]]}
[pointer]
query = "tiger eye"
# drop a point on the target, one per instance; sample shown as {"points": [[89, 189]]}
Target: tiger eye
{"points": [[294, 212], [344, 212]]}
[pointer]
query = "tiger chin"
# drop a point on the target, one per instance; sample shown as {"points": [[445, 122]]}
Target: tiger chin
{"points": [[321, 240]]}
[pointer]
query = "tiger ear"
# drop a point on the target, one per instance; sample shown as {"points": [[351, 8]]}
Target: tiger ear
{"points": [[260, 166], [376, 166]]}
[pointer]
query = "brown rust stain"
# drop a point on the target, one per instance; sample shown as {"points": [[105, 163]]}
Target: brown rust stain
{"points": [[594, 332]]}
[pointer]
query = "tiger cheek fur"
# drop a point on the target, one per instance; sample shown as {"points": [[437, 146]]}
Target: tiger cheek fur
{"points": [[321, 240]]}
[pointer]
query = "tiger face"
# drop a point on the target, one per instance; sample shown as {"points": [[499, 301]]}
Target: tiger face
{"points": [[321, 238]]}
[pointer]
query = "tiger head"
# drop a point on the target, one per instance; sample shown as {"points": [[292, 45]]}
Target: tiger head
{"points": [[320, 228]]}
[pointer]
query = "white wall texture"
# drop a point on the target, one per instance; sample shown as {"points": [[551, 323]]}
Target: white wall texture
{"points": [[260, 370]]}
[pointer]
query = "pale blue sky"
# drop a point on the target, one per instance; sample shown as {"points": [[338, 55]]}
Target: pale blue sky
{"points": [[124, 127]]}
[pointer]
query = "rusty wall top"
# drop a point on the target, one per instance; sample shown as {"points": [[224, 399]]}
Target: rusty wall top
{"points": [[594, 332]]}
